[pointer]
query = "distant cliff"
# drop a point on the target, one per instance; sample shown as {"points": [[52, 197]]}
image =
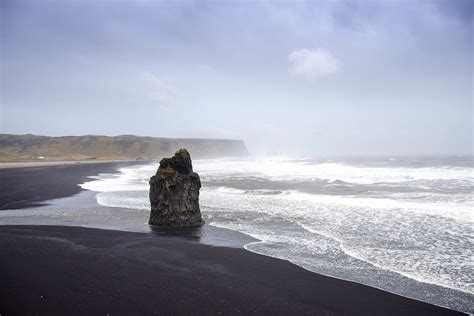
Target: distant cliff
{"points": [[34, 148]]}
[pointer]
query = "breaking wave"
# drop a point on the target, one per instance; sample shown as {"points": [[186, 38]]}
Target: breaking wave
{"points": [[376, 221]]}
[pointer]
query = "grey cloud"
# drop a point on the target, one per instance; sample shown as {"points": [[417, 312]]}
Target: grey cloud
{"points": [[214, 69]]}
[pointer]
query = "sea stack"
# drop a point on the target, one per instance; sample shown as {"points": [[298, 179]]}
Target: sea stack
{"points": [[174, 193]]}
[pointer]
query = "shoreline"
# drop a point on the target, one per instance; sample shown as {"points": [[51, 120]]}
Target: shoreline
{"points": [[30, 186], [216, 239], [407, 278], [138, 272], [31, 164]]}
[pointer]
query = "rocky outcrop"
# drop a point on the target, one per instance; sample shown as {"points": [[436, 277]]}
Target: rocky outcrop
{"points": [[174, 193]]}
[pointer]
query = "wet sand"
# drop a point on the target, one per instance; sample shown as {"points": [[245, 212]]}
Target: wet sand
{"points": [[30, 186], [72, 270]]}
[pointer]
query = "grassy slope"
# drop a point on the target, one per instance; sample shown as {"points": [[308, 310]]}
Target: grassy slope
{"points": [[31, 147]]}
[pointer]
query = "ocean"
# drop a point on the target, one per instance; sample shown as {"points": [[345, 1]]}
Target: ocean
{"points": [[401, 224]]}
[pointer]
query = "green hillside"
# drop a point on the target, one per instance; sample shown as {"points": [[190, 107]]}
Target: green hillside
{"points": [[89, 147]]}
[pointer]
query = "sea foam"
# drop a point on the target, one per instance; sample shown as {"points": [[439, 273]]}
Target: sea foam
{"points": [[380, 222]]}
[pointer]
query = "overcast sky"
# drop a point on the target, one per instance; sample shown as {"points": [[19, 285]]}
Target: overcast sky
{"points": [[301, 78]]}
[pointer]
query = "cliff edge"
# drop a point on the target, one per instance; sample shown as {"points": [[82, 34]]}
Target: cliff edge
{"points": [[125, 147]]}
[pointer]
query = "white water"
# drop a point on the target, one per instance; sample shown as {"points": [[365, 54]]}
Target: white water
{"points": [[365, 221]]}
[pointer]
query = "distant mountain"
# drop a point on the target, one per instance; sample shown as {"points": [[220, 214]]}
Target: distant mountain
{"points": [[34, 148]]}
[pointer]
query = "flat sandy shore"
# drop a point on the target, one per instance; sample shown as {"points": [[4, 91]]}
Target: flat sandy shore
{"points": [[59, 270], [30, 186], [53, 270]]}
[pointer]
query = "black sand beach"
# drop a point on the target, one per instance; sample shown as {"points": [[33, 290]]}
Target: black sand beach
{"points": [[57, 270], [72, 270], [31, 186]]}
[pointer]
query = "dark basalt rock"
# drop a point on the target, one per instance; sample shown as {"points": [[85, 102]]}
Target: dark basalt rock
{"points": [[174, 193]]}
